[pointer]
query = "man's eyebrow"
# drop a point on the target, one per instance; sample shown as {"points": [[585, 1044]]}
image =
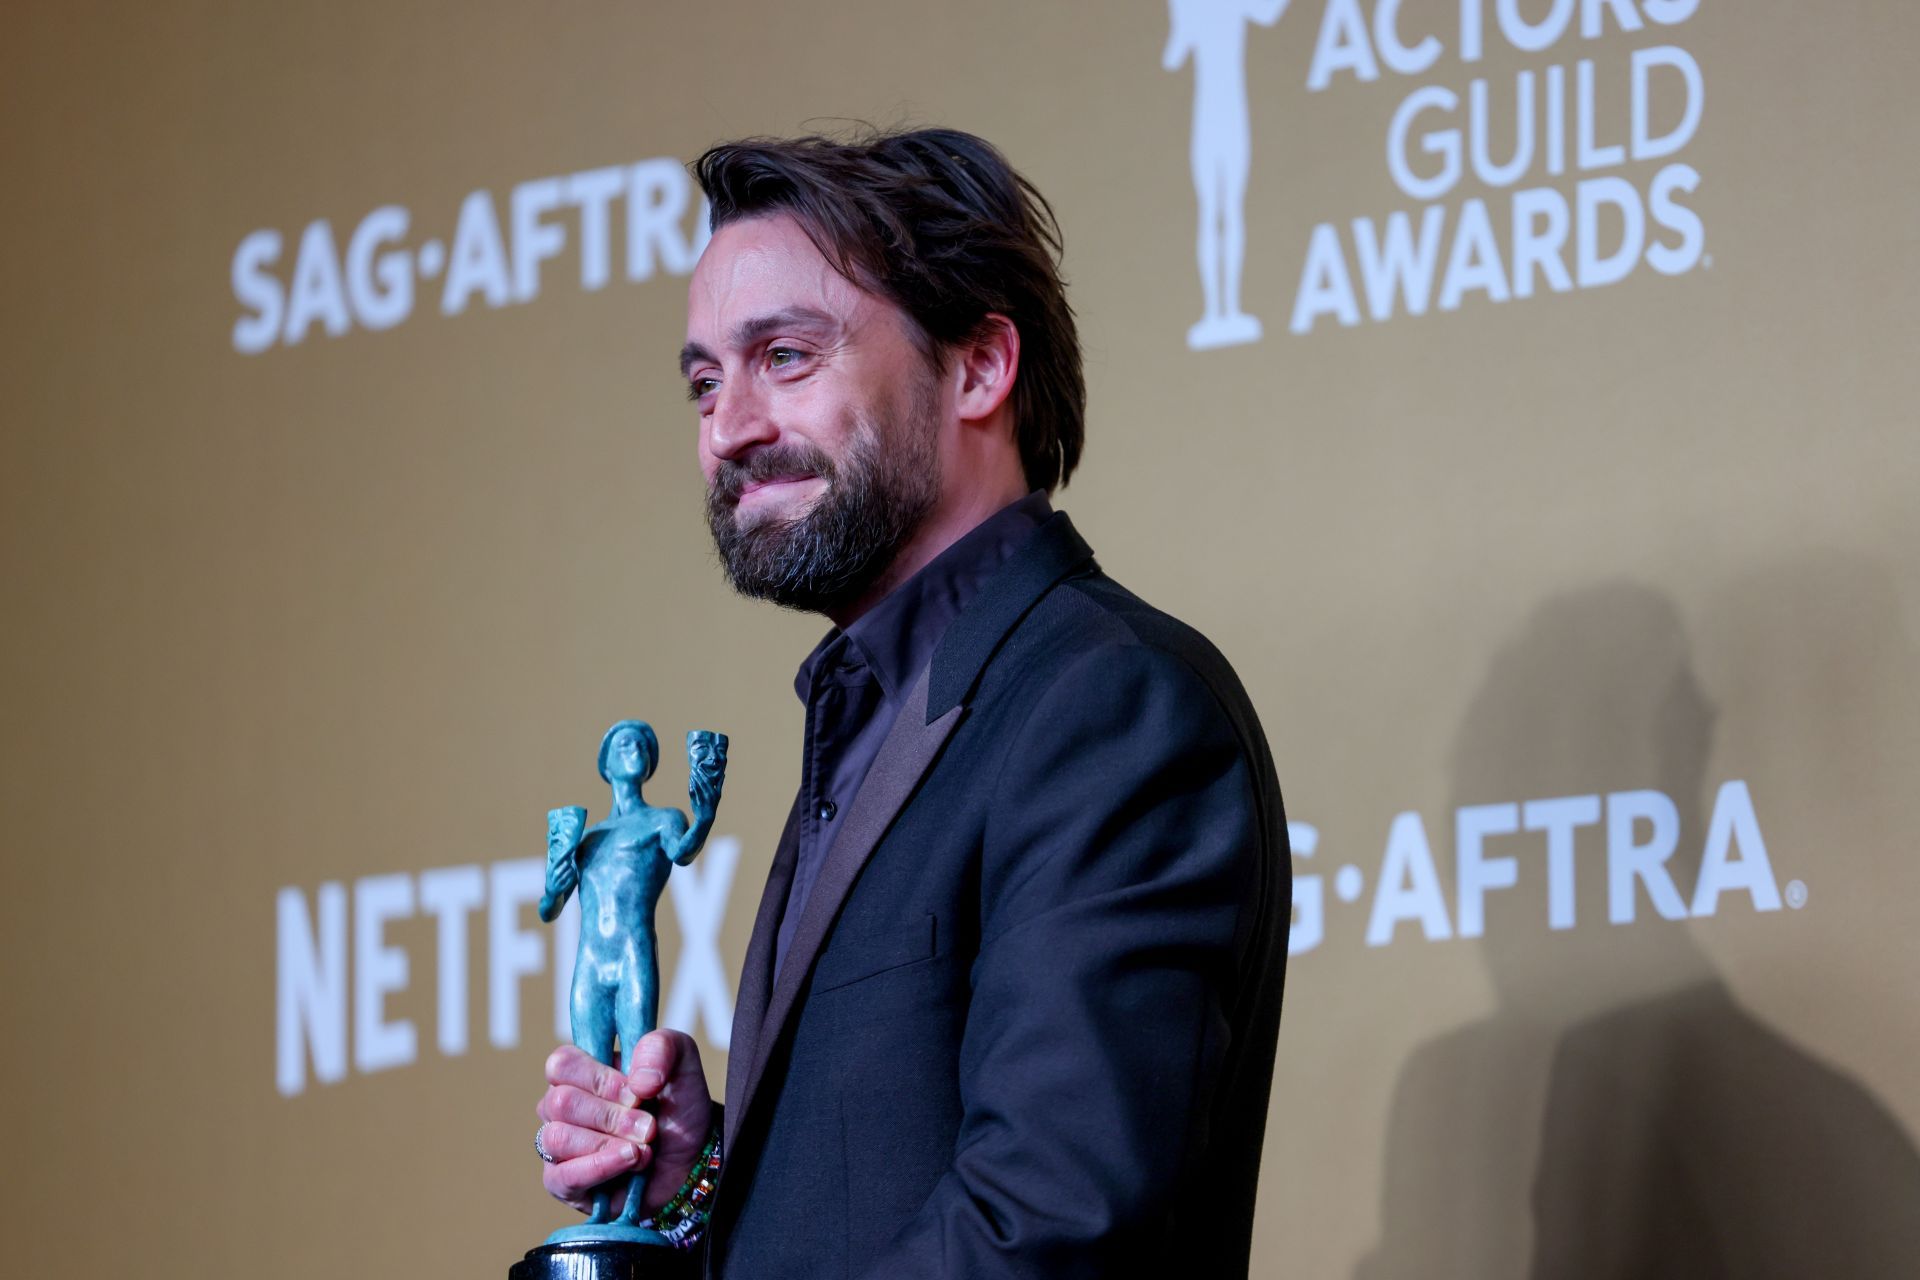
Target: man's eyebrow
{"points": [[750, 331], [692, 352]]}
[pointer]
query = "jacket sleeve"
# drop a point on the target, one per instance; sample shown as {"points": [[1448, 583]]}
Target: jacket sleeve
{"points": [[1118, 886]]}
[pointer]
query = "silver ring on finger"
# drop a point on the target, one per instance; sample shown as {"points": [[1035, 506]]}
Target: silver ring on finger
{"points": [[539, 1147]]}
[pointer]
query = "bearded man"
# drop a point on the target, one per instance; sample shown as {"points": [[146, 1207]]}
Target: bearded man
{"points": [[1010, 1003]]}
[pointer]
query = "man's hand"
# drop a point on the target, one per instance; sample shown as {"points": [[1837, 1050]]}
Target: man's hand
{"points": [[596, 1128]]}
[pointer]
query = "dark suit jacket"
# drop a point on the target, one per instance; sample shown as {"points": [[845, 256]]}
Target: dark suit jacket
{"points": [[1027, 1024]]}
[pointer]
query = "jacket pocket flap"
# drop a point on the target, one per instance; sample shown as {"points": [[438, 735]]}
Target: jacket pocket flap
{"points": [[847, 960]]}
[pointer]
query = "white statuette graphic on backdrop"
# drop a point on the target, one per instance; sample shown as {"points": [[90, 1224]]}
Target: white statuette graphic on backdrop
{"points": [[1213, 34]]}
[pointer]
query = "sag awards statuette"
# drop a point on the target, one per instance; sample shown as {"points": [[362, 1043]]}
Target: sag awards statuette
{"points": [[619, 866]]}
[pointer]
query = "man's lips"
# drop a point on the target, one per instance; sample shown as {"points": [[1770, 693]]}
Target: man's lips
{"points": [[775, 482]]}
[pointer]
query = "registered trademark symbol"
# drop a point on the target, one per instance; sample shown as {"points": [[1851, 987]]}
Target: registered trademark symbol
{"points": [[1348, 883], [1796, 894]]}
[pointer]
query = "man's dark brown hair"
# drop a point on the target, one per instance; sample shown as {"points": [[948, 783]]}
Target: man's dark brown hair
{"points": [[937, 222]]}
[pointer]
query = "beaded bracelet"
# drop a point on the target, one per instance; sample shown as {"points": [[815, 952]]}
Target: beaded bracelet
{"points": [[683, 1218]]}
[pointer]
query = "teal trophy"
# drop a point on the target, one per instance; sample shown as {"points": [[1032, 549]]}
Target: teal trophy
{"points": [[619, 867]]}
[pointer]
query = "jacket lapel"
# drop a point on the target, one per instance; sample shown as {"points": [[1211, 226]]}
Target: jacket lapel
{"points": [[756, 975], [909, 750], [1055, 551]]}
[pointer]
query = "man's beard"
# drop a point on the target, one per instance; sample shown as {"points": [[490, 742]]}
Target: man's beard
{"points": [[876, 498]]}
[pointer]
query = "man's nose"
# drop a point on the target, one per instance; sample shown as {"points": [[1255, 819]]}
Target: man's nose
{"points": [[740, 420]]}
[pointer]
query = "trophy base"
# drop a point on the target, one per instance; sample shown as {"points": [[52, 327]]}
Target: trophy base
{"points": [[607, 1260], [609, 1233]]}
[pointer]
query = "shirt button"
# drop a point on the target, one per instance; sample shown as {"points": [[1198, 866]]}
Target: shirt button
{"points": [[826, 810]]}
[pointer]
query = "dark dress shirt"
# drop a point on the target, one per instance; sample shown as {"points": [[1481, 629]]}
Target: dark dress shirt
{"points": [[854, 681]]}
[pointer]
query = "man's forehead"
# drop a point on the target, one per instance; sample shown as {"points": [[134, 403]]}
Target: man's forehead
{"points": [[762, 266]]}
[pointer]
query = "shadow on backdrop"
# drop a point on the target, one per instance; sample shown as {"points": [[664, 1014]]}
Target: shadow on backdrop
{"points": [[1620, 1115]]}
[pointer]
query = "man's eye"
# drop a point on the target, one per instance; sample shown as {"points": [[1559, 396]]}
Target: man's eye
{"points": [[783, 357], [700, 387]]}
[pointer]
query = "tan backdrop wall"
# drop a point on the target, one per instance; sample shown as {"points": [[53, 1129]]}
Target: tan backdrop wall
{"points": [[329, 554]]}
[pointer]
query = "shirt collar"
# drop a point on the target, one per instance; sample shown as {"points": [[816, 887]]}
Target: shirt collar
{"points": [[896, 638]]}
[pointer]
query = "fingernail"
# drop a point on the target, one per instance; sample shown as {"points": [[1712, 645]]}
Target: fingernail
{"points": [[628, 1098], [649, 1079], [629, 1152], [640, 1126]]}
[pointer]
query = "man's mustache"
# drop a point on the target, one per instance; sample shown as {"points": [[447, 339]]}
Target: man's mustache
{"points": [[771, 462]]}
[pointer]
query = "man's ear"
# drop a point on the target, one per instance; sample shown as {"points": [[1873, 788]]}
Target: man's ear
{"points": [[985, 368]]}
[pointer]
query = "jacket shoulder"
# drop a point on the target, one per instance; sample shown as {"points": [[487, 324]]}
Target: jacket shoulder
{"points": [[1090, 615]]}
